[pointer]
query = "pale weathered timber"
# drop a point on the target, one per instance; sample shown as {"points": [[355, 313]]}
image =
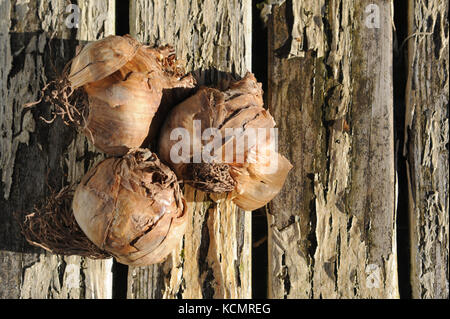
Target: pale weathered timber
{"points": [[334, 236], [36, 42], [214, 260], [426, 147], [307, 30]]}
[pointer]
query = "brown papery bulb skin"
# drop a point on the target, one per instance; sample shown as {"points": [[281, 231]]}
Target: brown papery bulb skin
{"points": [[132, 207], [255, 187], [124, 82], [239, 106]]}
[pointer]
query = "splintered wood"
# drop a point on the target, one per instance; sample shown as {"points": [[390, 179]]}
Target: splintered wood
{"points": [[35, 37], [214, 259], [426, 147], [332, 230], [335, 235]]}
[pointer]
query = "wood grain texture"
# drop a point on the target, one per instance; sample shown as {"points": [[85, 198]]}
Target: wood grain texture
{"points": [[307, 29], [426, 147], [35, 45], [214, 260], [207, 34], [334, 236]]}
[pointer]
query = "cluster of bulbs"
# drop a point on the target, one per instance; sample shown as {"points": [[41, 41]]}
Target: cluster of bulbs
{"points": [[131, 204]]}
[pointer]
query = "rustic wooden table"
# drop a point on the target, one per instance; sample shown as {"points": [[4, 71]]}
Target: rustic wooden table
{"points": [[333, 230]]}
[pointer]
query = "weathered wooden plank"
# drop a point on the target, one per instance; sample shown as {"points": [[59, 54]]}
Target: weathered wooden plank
{"points": [[307, 30], [214, 260], [34, 36], [334, 236], [426, 147]]}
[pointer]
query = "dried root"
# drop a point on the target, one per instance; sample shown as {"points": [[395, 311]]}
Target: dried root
{"points": [[170, 64], [53, 227], [210, 177], [71, 105]]}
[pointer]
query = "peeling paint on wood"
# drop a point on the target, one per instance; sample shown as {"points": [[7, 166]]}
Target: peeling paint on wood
{"points": [[34, 154], [307, 30], [426, 147], [330, 91], [214, 260], [335, 236], [206, 34]]}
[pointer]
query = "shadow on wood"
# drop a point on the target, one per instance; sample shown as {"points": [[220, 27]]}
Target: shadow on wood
{"points": [[34, 152]]}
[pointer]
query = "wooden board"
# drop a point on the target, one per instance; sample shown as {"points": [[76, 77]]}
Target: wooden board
{"points": [[214, 260], [426, 147], [332, 230], [335, 235], [33, 36]]}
